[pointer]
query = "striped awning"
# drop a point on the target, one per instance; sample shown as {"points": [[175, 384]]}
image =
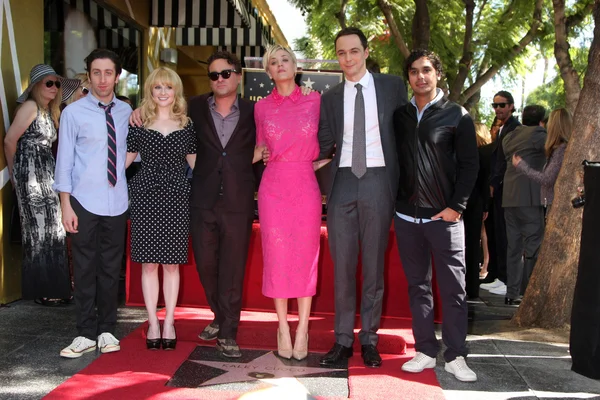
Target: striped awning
{"points": [[200, 13], [253, 36]]}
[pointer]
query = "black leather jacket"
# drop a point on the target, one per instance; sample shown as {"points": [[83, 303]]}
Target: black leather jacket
{"points": [[438, 158]]}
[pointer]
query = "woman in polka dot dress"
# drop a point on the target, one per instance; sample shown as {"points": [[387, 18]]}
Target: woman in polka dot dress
{"points": [[160, 196]]}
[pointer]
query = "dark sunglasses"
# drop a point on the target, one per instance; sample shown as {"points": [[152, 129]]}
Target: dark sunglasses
{"points": [[49, 84], [501, 105], [84, 90], [226, 73]]}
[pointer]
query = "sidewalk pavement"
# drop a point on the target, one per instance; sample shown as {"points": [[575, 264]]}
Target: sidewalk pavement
{"points": [[511, 363]]}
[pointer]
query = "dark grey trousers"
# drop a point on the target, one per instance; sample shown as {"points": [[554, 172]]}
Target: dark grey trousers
{"points": [[524, 234], [445, 241], [359, 217]]}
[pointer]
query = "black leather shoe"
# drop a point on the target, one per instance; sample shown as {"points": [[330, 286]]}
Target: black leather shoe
{"points": [[370, 356], [152, 344], [336, 354], [169, 344], [512, 302]]}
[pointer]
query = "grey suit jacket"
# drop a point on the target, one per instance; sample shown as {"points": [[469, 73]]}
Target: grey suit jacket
{"points": [[391, 95], [528, 143]]}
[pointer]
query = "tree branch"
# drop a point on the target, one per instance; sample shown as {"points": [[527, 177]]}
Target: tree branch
{"points": [[386, 8], [517, 49], [467, 56], [568, 73], [483, 4], [576, 19], [341, 15], [421, 31]]}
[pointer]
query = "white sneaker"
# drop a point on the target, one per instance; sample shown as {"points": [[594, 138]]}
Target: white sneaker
{"points": [[491, 285], [501, 290], [461, 370], [78, 347], [107, 343], [419, 363]]}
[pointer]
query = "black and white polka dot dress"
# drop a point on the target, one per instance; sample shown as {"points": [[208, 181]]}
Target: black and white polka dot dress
{"points": [[160, 195]]}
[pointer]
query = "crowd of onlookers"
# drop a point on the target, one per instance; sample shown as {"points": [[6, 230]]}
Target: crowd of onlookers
{"points": [[451, 187]]}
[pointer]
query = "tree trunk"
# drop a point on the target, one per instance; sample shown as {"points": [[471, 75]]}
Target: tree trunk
{"points": [[549, 297], [421, 26], [563, 58], [386, 9], [341, 15], [467, 56]]}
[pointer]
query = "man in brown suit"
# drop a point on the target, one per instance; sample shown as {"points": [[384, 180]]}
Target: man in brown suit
{"points": [[222, 204]]}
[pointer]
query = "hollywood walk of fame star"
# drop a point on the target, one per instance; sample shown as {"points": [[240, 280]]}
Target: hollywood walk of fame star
{"points": [[327, 86], [268, 368], [308, 83], [262, 85]]}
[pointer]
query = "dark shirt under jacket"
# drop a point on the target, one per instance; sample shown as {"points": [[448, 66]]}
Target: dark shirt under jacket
{"points": [[498, 165], [438, 159], [481, 190], [229, 166]]}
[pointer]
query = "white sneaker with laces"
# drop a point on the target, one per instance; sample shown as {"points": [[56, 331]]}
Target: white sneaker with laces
{"points": [[107, 343], [501, 290], [419, 363], [78, 347], [461, 370], [492, 285]]}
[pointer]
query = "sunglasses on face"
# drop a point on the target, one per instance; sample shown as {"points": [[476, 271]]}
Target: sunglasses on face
{"points": [[226, 73], [49, 84], [84, 90], [501, 105]]}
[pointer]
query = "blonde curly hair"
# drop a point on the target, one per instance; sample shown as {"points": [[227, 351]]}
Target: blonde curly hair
{"points": [[168, 77]]}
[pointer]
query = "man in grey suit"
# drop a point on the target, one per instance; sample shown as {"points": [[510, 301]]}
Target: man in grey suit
{"points": [[356, 122], [521, 201]]}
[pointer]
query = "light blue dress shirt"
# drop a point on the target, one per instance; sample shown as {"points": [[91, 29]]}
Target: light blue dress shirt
{"points": [[439, 95], [83, 153]]}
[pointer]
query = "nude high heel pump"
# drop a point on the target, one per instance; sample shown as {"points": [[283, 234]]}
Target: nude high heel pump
{"points": [[284, 345], [300, 351]]}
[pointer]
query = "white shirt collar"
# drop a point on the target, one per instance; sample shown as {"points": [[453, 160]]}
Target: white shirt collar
{"points": [[365, 81], [438, 96]]}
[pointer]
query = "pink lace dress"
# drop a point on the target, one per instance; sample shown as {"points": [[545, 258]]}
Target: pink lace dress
{"points": [[289, 199]]}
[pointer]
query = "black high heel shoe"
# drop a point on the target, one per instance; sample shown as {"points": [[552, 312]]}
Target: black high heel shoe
{"points": [[169, 344], [152, 344]]}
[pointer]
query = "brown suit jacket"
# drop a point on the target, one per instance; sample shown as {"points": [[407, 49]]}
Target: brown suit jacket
{"points": [[230, 166]]}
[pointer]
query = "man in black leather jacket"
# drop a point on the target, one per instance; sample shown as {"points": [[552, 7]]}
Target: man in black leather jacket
{"points": [[438, 157]]}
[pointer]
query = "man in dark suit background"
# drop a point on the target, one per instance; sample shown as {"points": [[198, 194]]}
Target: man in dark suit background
{"points": [[522, 202], [356, 121], [222, 203], [504, 107]]}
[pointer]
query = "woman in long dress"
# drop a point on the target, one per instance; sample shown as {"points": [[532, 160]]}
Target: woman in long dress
{"points": [[289, 199], [28, 151], [160, 197]]}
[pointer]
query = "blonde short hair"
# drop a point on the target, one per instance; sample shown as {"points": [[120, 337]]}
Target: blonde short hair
{"points": [[164, 76], [271, 50], [483, 134]]}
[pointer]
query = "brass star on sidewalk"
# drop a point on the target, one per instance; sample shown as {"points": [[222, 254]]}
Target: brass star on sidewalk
{"points": [[267, 368]]}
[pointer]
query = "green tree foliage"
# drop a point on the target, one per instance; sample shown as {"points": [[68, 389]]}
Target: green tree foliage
{"points": [[503, 31]]}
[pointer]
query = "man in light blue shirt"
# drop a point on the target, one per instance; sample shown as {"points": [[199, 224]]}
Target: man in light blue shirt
{"points": [[90, 177]]}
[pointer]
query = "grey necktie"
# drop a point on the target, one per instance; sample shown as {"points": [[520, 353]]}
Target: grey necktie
{"points": [[359, 153]]}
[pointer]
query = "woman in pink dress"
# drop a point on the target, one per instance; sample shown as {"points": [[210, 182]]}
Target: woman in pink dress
{"points": [[289, 199]]}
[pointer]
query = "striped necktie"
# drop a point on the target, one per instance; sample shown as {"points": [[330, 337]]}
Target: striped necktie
{"points": [[112, 145]]}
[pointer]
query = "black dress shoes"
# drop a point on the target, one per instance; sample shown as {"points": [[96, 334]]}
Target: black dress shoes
{"points": [[336, 354], [169, 344], [512, 302], [370, 356]]}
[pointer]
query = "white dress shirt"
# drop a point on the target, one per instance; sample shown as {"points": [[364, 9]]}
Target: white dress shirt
{"points": [[372, 134]]}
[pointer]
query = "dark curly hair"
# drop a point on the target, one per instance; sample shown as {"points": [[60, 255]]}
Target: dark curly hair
{"points": [[227, 56], [419, 53]]}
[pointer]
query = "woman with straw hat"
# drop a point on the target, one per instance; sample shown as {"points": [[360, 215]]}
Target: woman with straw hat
{"points": [[28, 151]]}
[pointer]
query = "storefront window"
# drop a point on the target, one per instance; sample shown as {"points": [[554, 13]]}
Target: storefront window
{"points": [[74, 28]]}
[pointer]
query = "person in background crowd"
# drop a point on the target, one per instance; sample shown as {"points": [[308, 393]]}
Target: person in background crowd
{"points": [[476, 212], [160, 197], [504, 107], [287, 124], [356, 121], [560, 125], [90, 177], [28, 151], [125, 99], [437, 151], [82, 90], [522, 204]]}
